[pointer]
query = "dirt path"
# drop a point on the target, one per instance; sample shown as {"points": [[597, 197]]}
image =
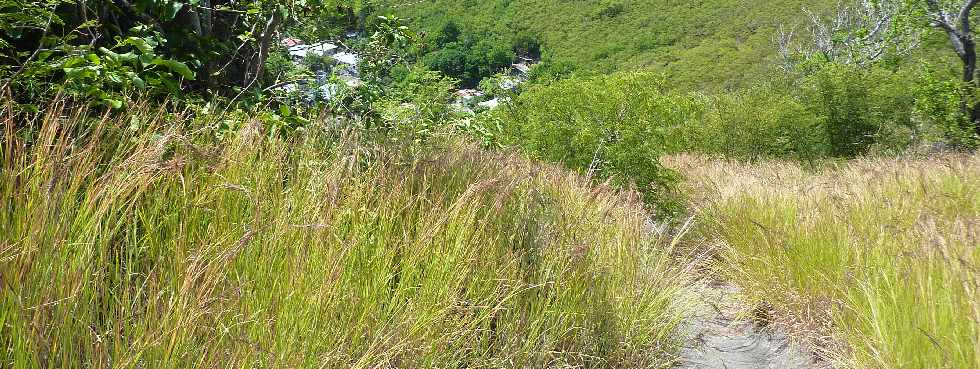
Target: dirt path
{"points": [[720, 335]]}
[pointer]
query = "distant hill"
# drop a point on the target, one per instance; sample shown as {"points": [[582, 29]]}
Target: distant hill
{"points": [[712, 44]]}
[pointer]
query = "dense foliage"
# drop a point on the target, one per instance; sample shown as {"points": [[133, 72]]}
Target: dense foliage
{"points": [[108, 50], [619, 125], [467, 57], [714, 44], [609, 127]]}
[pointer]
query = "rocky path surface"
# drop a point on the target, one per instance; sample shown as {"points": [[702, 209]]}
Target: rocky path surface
{"points": [[721, 335]]}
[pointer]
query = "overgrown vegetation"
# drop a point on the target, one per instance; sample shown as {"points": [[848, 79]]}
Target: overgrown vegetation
{"points": [[607, 127], [832, 110], [717, 44], [164, 247], [875, 261], [323, 183], [471, 58]]}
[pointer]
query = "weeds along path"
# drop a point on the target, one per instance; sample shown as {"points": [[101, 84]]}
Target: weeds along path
{"points": [[161, 248], [872, 262], [723, 333]]}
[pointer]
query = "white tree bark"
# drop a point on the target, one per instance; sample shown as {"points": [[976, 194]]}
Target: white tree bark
{"points": [[861, 33]]}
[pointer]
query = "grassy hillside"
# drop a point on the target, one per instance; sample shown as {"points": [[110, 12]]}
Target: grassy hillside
{"points": [[875, 261], [709, 43], [127, 241]]}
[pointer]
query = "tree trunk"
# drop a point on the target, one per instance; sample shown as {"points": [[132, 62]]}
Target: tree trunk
{"points": [[969, 63], [970, 104], [975, 118], [957, 26], [265, 43]]}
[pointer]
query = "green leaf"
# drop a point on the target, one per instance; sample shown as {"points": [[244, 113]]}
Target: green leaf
{"points": [[140, 44], [172, 10], [138, 82], [73, 62], [113, 77], [175, 66], [94, 59], [146, 60]]}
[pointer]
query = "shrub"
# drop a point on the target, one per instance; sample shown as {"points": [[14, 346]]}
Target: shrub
{"points": [[527, 46], [608, 127], [833, 110], [448, 34], [612, 10], [938, 110], [451, 61], [416, 104], [859, 107], [754, 123], [548, 71]]}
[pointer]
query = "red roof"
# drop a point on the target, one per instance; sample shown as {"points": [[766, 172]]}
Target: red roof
{"points": [[290, 42]]}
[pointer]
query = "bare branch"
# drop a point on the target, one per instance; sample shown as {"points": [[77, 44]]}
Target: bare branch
{"points": [[961, 38], [860, 33], [40, 46], [964, 16]]}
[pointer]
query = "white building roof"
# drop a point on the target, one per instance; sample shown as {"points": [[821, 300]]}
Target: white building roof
{"points": [[318, 49], [347, 58]]}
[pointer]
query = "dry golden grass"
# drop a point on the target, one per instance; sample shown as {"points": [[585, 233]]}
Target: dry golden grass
{"points": [[874, 260]]}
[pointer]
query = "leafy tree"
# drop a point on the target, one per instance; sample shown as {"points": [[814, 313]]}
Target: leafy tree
{"points": [[448, 34], [451, 61], [609, 127], [220, 45], [527, 46], [862, 32], [471, 59]]}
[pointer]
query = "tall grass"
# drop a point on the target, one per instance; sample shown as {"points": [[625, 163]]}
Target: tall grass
{"points": [[164, 247], [878, 259]]}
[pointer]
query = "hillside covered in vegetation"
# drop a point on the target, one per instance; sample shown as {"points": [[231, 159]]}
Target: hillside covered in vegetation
{"points": [[715, 44], [501, 183]]}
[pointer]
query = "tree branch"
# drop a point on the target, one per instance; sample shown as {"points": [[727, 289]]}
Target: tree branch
{"points": [[964, 16], [940, 19], [40, 46], [265, 42]]}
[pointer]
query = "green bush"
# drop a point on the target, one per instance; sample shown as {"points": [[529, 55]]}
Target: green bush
{"points": [[416, 104], [610, 127], [527, 46], [754, 123], [833, 110], [470, 57], [448, 34], [548, 71], [938, 110], [617, 126], [860, 107]]}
